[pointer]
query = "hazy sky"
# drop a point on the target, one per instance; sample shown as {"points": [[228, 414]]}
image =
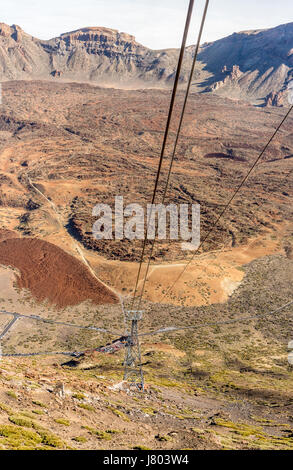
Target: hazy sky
{"points": [[155, 23]]}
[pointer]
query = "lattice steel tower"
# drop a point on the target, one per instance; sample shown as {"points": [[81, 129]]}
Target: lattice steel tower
{"points": [[133, 372]]}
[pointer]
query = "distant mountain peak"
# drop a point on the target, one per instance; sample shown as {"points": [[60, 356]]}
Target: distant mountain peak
{"points": [[248, 65], [97, 33], [6, 30]]}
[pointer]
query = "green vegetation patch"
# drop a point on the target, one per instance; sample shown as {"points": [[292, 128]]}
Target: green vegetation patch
{"points": [[50, 439], [21, 420], [17, 438], [78, 396], [139, 447], [254, 437], [80, 439], [6, 408], [85, 406], [62, 421], [102, 435], [118, 413], [11, 394], [162, 438], [39, 403]]}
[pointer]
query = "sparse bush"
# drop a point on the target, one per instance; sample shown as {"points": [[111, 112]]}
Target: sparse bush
{"points": [[21, 421], [119, 413], [39, 403], [141, 448], [50, 439], [65, 422], [18, 438], [80, 439], [86, 406], [78, 396]]}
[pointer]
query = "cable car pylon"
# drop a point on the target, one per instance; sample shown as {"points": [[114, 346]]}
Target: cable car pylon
{"points": [[133, 373]]}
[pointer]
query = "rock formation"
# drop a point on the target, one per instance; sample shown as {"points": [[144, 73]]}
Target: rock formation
{"points": [[248, 65], [275, 98]]}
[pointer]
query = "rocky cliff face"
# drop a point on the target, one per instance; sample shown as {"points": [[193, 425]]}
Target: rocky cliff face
{"points": [[89, 54], [231, 76], [101, 41], [21, 55], [97, 53], [265, 58], [247, 65], [275, 99]]}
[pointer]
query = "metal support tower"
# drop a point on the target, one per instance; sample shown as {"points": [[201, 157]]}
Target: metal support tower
{"points": [[133, 372]]}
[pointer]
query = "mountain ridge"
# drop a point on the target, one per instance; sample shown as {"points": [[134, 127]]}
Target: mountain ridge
{"points": [[253, 65]]}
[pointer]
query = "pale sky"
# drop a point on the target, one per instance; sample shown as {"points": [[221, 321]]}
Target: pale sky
{"points": [[157, 24]]}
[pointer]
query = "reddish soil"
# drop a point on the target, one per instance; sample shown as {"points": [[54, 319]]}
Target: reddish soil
{"points": [[51, 273], [82, 145]]}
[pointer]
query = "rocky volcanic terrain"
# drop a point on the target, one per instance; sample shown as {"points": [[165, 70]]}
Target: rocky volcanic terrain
{"points": [[79, 145], [251, 65], [213, 387], [66, 146]]}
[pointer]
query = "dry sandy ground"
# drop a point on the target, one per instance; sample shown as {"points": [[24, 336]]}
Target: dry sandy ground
{"points": [[63, 147], [210, 278]]}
